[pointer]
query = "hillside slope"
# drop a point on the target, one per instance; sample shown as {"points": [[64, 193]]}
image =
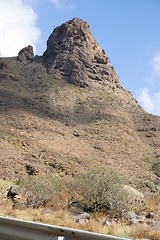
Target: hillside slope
{"points": [[66, 111]]}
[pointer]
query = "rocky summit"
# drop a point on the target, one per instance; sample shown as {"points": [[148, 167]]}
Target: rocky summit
{"points": [[66, 112], [73, 52]]}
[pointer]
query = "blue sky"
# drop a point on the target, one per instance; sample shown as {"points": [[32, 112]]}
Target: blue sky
{"points": [[128, 30]]}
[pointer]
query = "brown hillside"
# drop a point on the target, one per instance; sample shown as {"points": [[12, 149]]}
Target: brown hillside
{"points": [[66, 111]]}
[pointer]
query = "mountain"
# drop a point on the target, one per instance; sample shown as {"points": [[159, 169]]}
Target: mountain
{"points": [[66, 111]]}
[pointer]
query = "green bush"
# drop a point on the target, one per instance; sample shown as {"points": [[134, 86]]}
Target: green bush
{"points": [[98, 190]]}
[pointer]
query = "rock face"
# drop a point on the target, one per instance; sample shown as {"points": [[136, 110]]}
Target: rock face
{"points": [[25, 54], [73, 53]]}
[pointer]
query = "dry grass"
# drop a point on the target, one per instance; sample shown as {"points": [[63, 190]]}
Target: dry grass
{"points": [[153, 205], [6, 208], [120, 230], [145, 231], [64, 218], [4, 185], [60, 218]]}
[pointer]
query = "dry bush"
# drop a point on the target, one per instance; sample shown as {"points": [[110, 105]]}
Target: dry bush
{"points": [[98, 190], [39, 192], [41, 189]]}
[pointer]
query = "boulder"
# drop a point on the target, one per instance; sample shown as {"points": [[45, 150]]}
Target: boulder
{"points": [[25, 54], [17, 195], [82, 218], [130, 215], [106, 223], [135, 199], [13, 191]]}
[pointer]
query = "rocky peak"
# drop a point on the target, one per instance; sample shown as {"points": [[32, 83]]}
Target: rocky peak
{"points": [[25, 54], [73, 52]]}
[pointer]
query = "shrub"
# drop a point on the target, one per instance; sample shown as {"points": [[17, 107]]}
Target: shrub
{"points": [[98, 190], [40, 189], [156, 168]]}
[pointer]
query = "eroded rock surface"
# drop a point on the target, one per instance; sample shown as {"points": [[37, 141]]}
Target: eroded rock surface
{"points": [[25, 54], [73, 53]]}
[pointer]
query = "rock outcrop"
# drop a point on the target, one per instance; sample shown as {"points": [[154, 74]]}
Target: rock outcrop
{"points": [[25, 54], [74, 55]]}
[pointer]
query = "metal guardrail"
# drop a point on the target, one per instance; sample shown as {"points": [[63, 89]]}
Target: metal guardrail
{"points": [[14, 229]]}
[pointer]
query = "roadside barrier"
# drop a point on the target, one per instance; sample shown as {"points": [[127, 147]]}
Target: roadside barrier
{"points": [[14, 229]]}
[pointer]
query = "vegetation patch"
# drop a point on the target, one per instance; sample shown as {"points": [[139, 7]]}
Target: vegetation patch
{"points": [[147, 159], [98, 190], [41, 189], [156, 168]]}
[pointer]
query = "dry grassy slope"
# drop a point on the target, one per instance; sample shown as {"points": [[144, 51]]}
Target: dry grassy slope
{"points": [[56, 126]]}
